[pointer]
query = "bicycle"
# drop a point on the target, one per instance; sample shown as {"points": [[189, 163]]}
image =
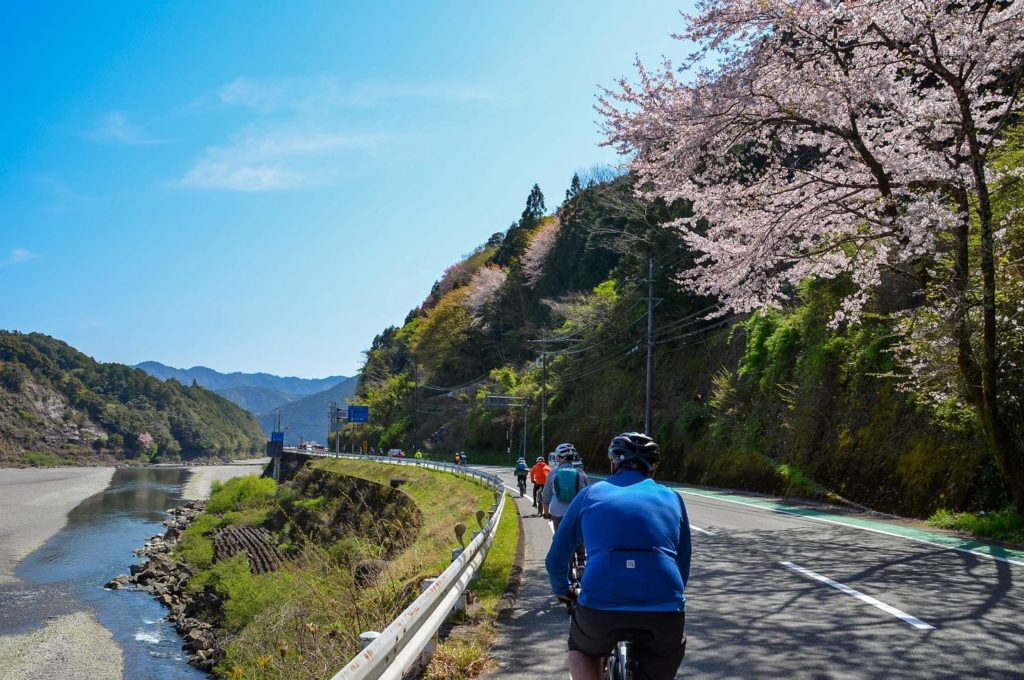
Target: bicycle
{"points": [[619, 665], [575, 579], [522, 485]]}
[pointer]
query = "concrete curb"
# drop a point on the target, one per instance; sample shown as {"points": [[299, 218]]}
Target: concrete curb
{"points": [[507, 601]]}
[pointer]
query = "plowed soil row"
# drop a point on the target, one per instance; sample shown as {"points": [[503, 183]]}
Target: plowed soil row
{"points": [[257, 543]]}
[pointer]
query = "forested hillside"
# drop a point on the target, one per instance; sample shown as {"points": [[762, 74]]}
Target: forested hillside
{"points": [[780, 401], [59, 405]]}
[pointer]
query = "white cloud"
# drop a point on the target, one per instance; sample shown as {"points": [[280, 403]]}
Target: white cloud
{"points": [[324, 94], [18, 256], [299, 135], [114, 127], [275, 159]]}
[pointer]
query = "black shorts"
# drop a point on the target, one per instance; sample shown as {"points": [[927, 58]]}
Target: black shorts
{"points": [[658, 653]]}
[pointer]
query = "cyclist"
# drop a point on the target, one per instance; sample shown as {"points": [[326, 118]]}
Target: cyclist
{"points": [[521, 472], [638, 562], [563, 484], [539, 475]]}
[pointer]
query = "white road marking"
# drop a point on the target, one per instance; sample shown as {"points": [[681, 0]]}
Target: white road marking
{"points": [[552, 525], [913, 621], [703, 531], [814, 518]]}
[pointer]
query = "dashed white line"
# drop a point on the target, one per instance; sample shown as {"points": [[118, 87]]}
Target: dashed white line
{"points": [[875, 530], [907, 618], [703, 531]]}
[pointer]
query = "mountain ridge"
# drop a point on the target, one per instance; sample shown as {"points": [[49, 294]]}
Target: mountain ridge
{"points": [[216, 380]]}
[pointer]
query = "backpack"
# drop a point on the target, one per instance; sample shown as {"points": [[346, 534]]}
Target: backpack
{"points": [[521, 467], [566, 483]]}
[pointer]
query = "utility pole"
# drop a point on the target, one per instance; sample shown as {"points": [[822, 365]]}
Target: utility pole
{"points": [[650, 342], [412, 439], [331, 408], [526, 407], [543, 396]]}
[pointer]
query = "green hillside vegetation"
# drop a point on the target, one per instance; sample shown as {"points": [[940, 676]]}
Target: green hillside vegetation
{"points": [[357, 551], [59, 406], [779, 401]]}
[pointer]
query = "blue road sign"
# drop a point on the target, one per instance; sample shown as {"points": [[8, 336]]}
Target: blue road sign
{"points": [[277, 436], [358, 414]]}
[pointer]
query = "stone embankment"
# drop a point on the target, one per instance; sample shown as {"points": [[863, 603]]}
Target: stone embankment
{"points": [[166, 579]]}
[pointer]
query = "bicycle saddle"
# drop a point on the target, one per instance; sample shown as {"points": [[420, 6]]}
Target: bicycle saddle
{"points": [[630, 635]]}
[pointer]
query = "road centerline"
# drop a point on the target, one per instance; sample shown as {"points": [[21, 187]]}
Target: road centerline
{"points": [[898, 613]]}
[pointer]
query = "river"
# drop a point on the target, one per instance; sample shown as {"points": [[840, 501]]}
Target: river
{"points": [[68, 572]]}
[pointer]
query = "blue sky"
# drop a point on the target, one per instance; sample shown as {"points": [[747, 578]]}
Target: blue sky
{"points": [[265, 186]]}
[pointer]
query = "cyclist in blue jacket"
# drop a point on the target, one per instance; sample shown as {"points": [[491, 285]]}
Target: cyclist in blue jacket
{"points": [[638, 562]]}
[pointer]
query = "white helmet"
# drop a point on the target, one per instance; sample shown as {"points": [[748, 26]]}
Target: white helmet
{"points": [[566, 451]]}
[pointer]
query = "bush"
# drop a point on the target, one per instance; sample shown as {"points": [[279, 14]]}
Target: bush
{"points": [[1005, 525], [246, 594], [13, 376], [44, 459], [195, 547], [242, 493]]}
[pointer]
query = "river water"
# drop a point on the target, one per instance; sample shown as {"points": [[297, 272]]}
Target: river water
{"points": [[68, 572]]}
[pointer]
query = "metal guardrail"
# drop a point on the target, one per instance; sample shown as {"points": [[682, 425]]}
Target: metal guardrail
{"points": [[411, 637]]}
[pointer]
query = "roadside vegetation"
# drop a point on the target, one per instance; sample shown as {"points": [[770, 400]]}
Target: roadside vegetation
{"points": [[465, 654], [1005, 525], [359, 538]]}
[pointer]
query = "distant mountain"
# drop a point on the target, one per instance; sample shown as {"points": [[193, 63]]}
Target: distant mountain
{"points": [[307, 417], [215, 380], [57, 404], [255, 392], [257, 399]]}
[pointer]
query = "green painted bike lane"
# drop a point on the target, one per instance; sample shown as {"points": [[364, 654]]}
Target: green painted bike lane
{"points": [[995, 552]]}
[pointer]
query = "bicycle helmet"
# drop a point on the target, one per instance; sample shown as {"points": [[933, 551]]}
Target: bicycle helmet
{"points": [[634, 446], [565, 451], [540, 459]]}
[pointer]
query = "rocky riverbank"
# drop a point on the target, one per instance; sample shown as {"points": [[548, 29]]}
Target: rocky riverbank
{"points": [[166, 579]]}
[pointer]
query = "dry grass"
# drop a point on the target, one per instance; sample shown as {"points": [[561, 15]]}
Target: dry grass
{"points": [[465, 658]]}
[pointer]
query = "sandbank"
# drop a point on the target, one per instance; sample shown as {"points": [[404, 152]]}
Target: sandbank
{"points": [[34, 505]]}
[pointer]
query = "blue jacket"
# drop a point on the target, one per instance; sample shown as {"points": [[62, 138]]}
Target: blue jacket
{"points": [[637, 537]]}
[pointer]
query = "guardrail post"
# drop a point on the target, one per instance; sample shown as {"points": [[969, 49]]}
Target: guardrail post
{"points": [[365, 639], [460, 604], [431, 647]]}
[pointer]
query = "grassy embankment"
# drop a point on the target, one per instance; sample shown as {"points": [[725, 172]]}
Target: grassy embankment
{"points": [[465, 656], [303, 620]]}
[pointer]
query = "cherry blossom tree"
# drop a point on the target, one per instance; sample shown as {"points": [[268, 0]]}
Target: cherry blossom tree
{"points": [[832, 137], [542, 242], [483, 287]]}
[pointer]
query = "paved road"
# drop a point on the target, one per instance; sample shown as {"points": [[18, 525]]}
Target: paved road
{"points": [[777, 595]]}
